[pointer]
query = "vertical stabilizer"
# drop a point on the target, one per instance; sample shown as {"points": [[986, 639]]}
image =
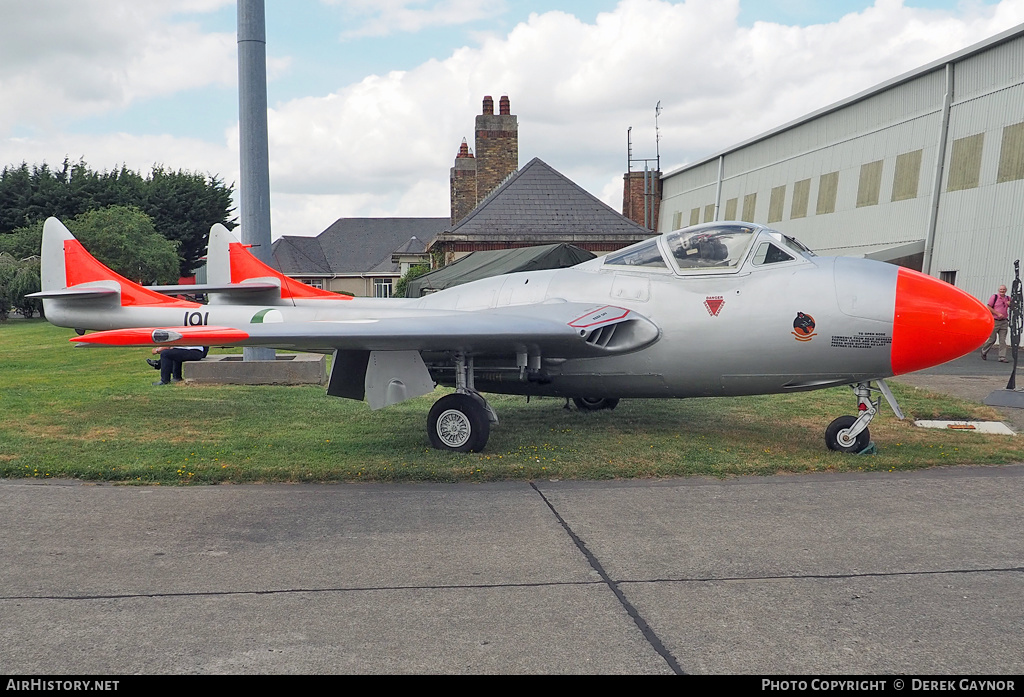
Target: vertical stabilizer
{"points": [[68, 272], [218, 262], [52, 274], [243, 266]]}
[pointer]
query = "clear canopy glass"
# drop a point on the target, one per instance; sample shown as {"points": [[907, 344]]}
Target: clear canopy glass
{"points": [[710, 248], [714, 248]]}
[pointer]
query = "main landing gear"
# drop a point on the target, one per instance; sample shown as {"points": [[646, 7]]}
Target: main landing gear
{"points": [[594, 403], [461, 421], [849, 434]]}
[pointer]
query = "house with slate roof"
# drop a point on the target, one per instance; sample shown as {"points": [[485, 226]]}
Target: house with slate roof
{"points": [[538, 205], [355, 255]]}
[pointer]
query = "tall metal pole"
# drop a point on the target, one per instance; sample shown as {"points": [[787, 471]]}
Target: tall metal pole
{"points": [[254, 184], [1016, 318], [940, 160]]}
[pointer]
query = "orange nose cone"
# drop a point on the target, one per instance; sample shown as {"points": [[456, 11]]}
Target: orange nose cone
{"points": [[934, 322]]}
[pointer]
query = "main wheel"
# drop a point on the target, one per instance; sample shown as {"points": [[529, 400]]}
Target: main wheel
{"points": [[458, 422], [594, 403], [837, 436]]}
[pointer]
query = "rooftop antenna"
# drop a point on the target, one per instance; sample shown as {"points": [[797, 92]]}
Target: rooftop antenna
{"points": [[649, 202], [657, 133], [629, 149]]}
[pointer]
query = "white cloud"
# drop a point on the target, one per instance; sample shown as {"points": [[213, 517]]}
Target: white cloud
{"points": [[386, 17], [64, 59], [310, 214]]}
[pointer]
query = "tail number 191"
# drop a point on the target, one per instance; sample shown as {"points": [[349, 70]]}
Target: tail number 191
{"points": [[196, 319]]}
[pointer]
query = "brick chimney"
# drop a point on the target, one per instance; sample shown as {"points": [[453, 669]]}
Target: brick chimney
{"points": [[641, 197], [463, 184], [497, 156], [497, 146]]}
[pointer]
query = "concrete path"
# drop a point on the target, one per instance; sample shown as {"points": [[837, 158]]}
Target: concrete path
{"points": [[903, 573]]}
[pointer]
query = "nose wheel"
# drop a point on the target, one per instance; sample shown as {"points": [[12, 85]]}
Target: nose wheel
{"points": [[838, 436], [849, 434]]}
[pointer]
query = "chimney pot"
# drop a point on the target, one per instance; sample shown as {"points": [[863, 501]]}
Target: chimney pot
{"points": [[504, 106], [488, 105]]}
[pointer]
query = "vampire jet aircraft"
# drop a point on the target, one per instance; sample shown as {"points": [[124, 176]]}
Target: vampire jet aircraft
{"points": [[719, 309]]}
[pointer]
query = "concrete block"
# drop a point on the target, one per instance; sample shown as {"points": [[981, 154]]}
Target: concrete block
{"points": [[1006, 398], [287, 369], [997, 427]]}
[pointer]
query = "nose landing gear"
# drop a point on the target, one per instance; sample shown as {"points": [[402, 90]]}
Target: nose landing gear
{"points": [[840, 436], [849, 434]]}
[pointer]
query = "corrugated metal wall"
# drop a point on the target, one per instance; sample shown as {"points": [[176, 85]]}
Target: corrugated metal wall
{"points": [[862, 176], [980, 228]]}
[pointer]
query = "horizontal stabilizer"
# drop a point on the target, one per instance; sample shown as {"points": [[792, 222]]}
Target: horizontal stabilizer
{"points": [[243, 288], [77, 292]]}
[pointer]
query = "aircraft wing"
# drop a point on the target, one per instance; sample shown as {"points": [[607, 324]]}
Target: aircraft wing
{"points": [[567, 330]]}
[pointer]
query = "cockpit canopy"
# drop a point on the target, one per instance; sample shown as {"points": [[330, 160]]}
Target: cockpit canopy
{"points": [[710, 248]]}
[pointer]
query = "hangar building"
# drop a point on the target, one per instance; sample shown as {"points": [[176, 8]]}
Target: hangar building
{"points": [[925, 170]]}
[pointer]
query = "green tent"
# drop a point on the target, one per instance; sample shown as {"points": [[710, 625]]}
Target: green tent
{"points": [[477, 265]]}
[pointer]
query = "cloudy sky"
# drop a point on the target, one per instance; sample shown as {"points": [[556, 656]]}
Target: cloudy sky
{"points": [[370, 99]]}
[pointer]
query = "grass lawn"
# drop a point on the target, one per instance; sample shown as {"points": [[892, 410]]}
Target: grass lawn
{"points": [[92, 414]]}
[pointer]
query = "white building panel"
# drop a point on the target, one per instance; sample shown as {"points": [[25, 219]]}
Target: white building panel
{"points": [[691, 179], [980, 230], [990, 69]]}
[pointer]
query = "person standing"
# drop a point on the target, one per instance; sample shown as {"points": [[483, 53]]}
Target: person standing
{"points": [[999, 306]]}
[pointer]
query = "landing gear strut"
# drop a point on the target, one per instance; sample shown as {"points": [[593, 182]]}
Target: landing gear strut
{"points": [[849, 434], [461, 421]]}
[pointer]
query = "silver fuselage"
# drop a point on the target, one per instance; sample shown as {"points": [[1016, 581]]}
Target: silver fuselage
{"points": [[721, 333]]}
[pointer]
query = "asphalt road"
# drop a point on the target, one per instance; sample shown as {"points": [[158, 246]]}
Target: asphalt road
{"points": [[896, 573]]}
